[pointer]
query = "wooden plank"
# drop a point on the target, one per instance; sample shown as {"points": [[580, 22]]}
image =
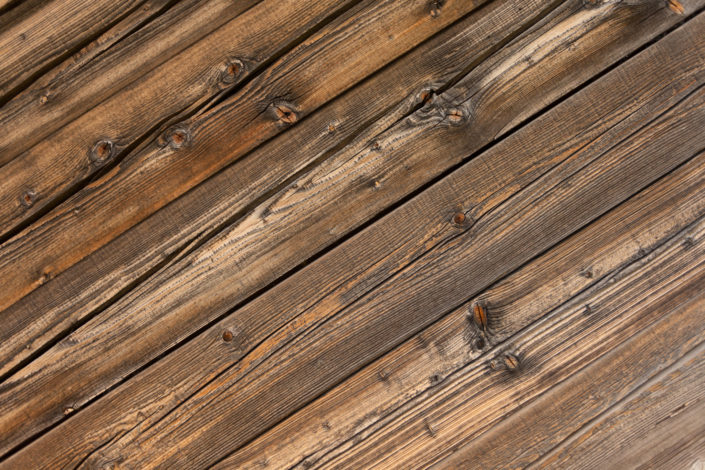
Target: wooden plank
{"points": [[520, 439], [654, 422], [606, 246], [41, 316], [62, 163], [187, 154], [114, 281], [548, 352], [26, 48], [420, 293], [127, 51], [516, 164]]}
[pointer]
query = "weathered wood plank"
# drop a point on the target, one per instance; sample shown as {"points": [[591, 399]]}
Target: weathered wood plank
{"points": [[120, 56], [546, 353], [656, 420], [417, 295], [303, 80], [26, 47], [519, 165], [604, 247], [521, 438], [50, 171], [42, 315]]}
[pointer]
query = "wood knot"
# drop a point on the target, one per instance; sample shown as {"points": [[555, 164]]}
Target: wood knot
{"points": [[28, 197], [102, 151], [675, 6], [284, 113], [227, 336], [479, 315], [436, 6], [511, 362], [425, 96], [176, 137], [455, 116], [506, 361], [44, 98], [232, 71]]}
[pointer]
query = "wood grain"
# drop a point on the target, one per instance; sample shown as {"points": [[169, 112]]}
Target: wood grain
{"points": [[547, 353], [405, 318], [187, 154], [45, 313], [26, 48], [535, 429], [118, 57], [56, 167], [655, 421], [344, 415]]}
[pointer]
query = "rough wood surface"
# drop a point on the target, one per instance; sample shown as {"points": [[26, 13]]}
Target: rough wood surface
{"points": [[354, 234], [348, 412], [193, 150], [143, 40], [51, 30], [140, 317], [44, 314]]}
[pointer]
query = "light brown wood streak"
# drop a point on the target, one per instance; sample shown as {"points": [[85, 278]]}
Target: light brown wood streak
{"points": [[148, 179], [43, 314], [120, 56], [527, 170], [25, 46], [608, 244]]}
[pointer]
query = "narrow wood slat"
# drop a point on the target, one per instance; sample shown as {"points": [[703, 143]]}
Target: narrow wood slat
{"points": [[297, 84], [517, 162], [546, 353], [51, 30], [42, 315], [120, 56], [649, 428], [347, 413]]}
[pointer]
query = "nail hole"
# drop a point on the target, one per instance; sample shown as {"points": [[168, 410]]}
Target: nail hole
{"points": [[227, 336]]}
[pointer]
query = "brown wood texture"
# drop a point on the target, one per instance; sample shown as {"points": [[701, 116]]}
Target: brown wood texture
{"points": [[352, 234]]}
